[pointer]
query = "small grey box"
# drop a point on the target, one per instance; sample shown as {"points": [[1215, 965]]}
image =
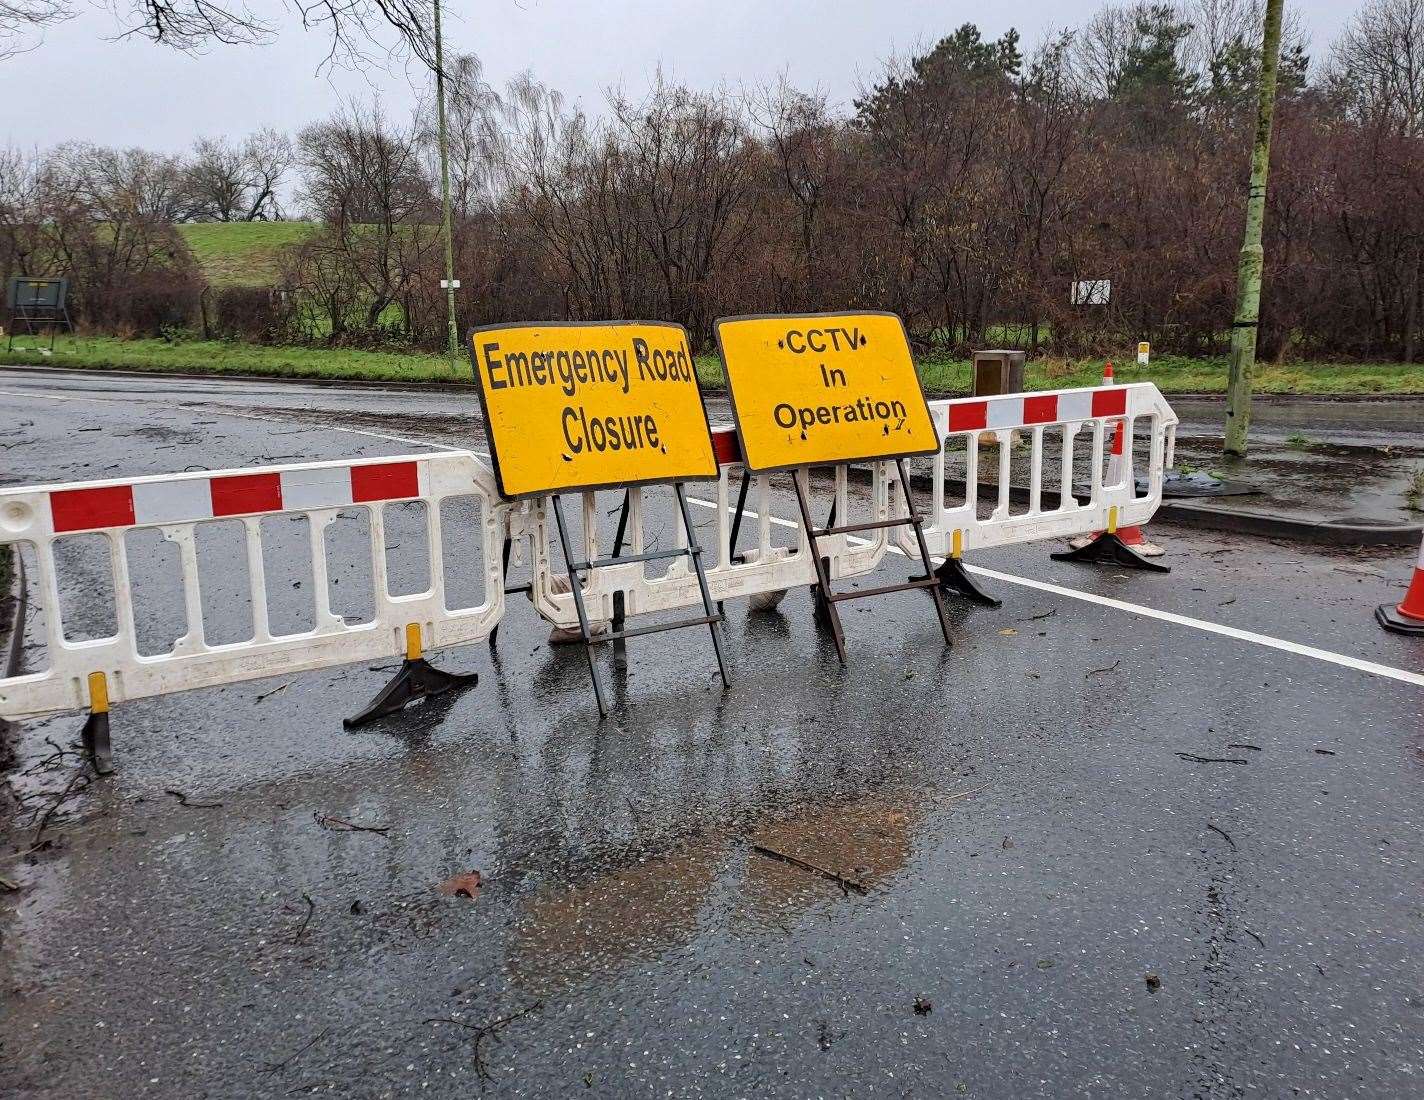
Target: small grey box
{"points": [[997, 372]]}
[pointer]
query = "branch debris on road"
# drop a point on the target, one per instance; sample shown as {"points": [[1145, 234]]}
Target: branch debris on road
{"points": [[1195, 759], [491, 1030], [183, 800], [844, 882], [341, 825]]}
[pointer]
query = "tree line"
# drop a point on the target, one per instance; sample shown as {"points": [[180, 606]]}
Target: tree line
{"points": [[967, 188]]}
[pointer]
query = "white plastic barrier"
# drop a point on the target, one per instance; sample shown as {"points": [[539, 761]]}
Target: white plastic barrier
{"points": [[176, 505], [761, 568], [958, 526]]}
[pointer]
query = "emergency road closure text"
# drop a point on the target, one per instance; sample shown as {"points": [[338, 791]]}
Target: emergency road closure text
{"points": [[824, 388], [597, 398]]}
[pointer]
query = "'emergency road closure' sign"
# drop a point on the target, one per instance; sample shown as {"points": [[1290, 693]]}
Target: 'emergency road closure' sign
{"points": [[590, 405], [824, 388]]}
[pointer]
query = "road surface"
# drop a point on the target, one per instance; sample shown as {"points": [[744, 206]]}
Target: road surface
{"points": [[1133, 835]]}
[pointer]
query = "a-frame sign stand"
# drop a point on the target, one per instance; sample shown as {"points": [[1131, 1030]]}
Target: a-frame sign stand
{"points": [[827, 600], [710, 618], [578, 407]]}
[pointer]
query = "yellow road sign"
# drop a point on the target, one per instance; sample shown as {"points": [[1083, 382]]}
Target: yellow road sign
{"points": [[824, 388], [590, 405]]}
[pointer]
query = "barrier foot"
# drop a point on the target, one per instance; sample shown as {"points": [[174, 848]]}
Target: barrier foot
{"points": [[95, 738], [416, 679], [953, 577], [1108, 549], [1388, 616]]}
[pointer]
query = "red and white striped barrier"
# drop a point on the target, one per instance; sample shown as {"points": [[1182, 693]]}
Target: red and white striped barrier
{"points": [[1407, 616], [1113, 501], [177, 505]]}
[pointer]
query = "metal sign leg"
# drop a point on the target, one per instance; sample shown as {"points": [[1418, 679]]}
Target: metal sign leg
{"points": [[823, 580], [917, 522], [576, 587], [695, 551]]}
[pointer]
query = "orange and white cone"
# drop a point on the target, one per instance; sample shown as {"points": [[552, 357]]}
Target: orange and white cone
{"points": [[1130, 536], [1407, 616]]}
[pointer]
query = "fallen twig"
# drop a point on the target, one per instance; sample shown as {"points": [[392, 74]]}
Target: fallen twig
{"points": [[311, 908], [1223, 834], [64, 797], [274, 691], [1243, 745], [1255, 937], [1110, 668], [1195, 759], [183, 801], [1035, 618], [280, 1066], [490, 1030], [845, 883], [341, 825]]}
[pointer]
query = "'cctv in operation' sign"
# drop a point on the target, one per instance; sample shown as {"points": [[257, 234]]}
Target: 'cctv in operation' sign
{"points": [[824, 388], [590, 405]]}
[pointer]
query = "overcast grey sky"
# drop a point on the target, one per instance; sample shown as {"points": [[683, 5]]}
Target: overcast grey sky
{"points": [[79, 84]]}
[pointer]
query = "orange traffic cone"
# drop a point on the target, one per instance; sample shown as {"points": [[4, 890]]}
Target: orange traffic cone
{"points": [[1407, 616]]}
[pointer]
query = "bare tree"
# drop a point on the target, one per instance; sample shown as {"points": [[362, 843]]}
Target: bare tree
{"points": [[226, 183], [22, 23], [356, 29], [1376, 66]]}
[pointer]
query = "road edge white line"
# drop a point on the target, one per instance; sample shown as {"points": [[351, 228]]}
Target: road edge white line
{"points": [[1299, 649]]}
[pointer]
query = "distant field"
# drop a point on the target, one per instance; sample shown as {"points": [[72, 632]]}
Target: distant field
{"points": [[1171, 374], [241, 253]]}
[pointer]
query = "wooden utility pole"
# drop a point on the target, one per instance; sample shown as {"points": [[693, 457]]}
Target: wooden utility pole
{"points": [[454, 340], [1253, 257]]}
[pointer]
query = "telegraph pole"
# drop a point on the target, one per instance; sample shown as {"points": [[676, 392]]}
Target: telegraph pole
{"points": [[1253, 257], [449, 281]]}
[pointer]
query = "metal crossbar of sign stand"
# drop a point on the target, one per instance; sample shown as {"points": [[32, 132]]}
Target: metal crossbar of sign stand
{"points": [[827, 600], [711, 617]]}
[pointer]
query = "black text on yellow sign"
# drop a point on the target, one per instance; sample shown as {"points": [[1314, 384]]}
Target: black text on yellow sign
{"points": [[824, 388], [590, 405]]}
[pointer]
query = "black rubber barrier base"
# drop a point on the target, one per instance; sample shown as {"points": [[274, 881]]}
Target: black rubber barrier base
{"points": [[416, 679], [1388, 616], [95, 738], [1108, 549], [953, 577]]}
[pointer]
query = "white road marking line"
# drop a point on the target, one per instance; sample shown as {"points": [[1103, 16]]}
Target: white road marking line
{"points": [[1343, 660]]}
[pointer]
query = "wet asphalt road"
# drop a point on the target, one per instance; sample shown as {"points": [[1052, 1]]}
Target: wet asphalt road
{"points": [[1034, 846]]}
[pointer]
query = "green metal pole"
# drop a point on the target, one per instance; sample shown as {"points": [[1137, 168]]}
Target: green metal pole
{"points": [[454, 341], [1253, 257]]}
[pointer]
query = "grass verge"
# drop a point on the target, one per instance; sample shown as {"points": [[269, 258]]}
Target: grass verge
{"points": [[1172, 374]]}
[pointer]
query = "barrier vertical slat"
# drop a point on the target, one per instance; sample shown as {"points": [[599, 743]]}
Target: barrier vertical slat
{"points": [[635, 519], [1005, 441], [257, 580], [763, 498], [54, 626], [1065, 472], [971, 474], [1096, 481], [123, 598], [193, 639], [317, 523], [1035, 482], [380, 581], [434, 533], [590, 527], [1155, 466], [724, 525]]}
